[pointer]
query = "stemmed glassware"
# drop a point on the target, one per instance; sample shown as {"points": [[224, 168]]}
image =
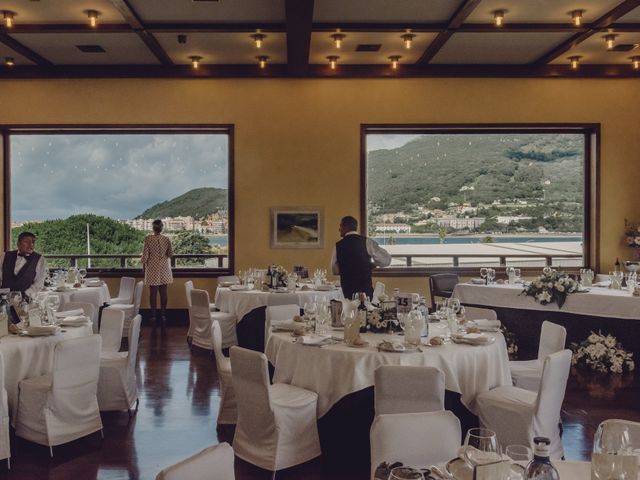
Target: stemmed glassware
{"points": [[310, 311], [405, 473], [480, 447], [612, 452], [484, 272], [52, 304], [82, 273], [491, 275]]}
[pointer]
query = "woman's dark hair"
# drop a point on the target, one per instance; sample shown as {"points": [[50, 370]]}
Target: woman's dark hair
{"points": [[157, 225]]}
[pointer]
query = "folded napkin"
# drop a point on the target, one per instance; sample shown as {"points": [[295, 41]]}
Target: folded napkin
{"points": [[93, 281], [238, 287], [313, 339], [604, 283], [487, 325], [478, 281], [75, 320], [70, 313], [41, 329], [472, 338], [285, 326]]}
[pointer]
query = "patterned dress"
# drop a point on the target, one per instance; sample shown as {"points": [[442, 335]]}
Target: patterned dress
{"points": [[156, 256]]}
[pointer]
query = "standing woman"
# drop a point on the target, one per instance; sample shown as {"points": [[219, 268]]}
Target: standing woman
{"points": [[156, 262]]}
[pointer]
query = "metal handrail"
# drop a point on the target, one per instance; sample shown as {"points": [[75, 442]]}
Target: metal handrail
{"points": [[548, 259], [124, 257]]}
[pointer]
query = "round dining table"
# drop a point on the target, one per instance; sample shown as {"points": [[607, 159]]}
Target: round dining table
{"points": [[84, 293]]}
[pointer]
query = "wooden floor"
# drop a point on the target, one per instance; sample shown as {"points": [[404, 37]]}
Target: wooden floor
{"points": [[178, 405]]}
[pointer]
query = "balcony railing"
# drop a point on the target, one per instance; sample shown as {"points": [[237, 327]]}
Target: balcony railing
{"points": [[123, 261], [424, 260]]}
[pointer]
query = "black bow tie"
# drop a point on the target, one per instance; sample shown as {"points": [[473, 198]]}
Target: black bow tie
{"points": [[24, 255]]}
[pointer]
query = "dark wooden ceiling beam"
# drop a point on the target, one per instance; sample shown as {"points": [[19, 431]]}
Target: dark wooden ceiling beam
{"points": [[458, 18], [135, 22], [23, 50], [605, 21], [205, 27], [299, 21]]}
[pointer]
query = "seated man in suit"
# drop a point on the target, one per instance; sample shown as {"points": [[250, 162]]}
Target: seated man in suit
{"points": [[23, 270], [354, 257]]}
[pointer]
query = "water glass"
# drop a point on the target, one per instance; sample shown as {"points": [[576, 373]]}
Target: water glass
{"points": [[491, 275], [15, 299], [518, 273], [519, 453], [612, 451], [82, 273], [414, 324], [480, 447]]}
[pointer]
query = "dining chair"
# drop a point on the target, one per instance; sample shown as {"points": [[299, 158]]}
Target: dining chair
{"points": [[518, 415], [125, 292], [117, 385], [91, 296], [5, 445], [214, 463], [477, 313], [62, 406], [527, 373], [278, 314], [88, 310], [228, 411], [442, 285], [111, 330], [414, 438], [131, 309], [408, 389], [201, 316], [277, 425]]}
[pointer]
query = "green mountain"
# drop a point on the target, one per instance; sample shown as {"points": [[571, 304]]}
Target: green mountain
{"points": [[496, 166], [197, 203], [69, 236]]}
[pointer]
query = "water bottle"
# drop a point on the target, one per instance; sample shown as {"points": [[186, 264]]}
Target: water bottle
{"points": [[540, 468], [4, 315]]}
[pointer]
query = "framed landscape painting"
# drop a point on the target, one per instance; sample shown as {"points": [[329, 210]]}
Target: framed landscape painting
{"points": [[297, 227]]}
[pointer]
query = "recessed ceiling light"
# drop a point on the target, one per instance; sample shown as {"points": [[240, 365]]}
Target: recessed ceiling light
{"points": [[338, 38], [8, 18], [9, 61], [498, 17], [333, 61], [575, 61], [195, 61], [262, 60], [407, 38], [258, 38], [395, 60], [576, 17]]}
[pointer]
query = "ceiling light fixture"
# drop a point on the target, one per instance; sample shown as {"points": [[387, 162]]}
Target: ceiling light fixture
{"points": [[498, 18], [9, 61], [8, 18], [258, 38], [576, 17], [262, 60], [610, 40], [635, 62], [195, 61], [333, 61], [575, 61], [395, 59], [93, 18], [338, 38], [407, 38]]}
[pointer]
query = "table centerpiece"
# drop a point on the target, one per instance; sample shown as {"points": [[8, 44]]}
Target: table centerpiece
{"points": [[551, 286]]}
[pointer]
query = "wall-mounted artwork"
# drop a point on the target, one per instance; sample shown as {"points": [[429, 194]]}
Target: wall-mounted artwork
{"points": [[297, 227]]}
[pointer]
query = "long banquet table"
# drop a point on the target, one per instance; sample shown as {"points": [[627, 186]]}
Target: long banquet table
{"points": [[27, 357], [85, 291]]}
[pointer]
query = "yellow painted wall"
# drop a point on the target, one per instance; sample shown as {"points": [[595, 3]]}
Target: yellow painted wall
{"points": [[298, 141]]}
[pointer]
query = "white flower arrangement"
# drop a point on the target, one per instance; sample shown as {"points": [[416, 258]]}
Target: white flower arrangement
{"points": [[551, 286], [632, 234], [602, 353]]}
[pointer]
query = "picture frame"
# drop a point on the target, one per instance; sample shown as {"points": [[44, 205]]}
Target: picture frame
{"points": [[297, 227]]}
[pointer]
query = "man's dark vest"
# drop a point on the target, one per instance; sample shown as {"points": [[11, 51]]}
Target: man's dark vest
{"points": [[355, 265], [25, 277]]}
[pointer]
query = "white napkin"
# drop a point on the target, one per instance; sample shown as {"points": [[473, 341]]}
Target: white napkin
{"points": [[285, 325], [41, 329], [70, 313], [477, 281], [604, 283], [75, 320], [93, 282], [238, 287], [313, 339], [487, 325], [473, 338]]}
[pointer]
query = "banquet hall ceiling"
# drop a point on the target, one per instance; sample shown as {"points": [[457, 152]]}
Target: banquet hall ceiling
{"points": [[147, 38]]}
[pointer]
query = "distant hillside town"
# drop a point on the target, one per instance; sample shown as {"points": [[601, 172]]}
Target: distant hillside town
{"points": [[215, 224]]}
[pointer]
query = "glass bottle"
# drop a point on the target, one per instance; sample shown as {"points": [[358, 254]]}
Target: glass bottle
{"points": [[4, 315], [540, 468], [362, 312]]}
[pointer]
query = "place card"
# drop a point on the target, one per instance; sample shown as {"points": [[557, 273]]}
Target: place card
{"points": [[404, 302], [492, 471]]}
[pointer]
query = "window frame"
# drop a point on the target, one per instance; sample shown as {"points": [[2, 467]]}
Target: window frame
{"points": [[591, 172], [6, 130]]}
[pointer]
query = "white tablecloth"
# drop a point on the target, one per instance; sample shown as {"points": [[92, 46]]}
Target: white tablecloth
{"points": [[599, 302], [239, 303], [334, 371], [26, 357], [103, 290]]}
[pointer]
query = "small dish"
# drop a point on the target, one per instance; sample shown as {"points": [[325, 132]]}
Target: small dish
{"points": [[397, 347], [461, 471], [360, 345]]}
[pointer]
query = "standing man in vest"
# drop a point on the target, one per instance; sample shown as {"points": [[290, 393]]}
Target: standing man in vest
{"points": [[354, 257], [23, 270]]}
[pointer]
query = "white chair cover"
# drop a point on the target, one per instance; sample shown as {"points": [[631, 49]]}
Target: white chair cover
{"points": [[200, 316], [408, 389], [527, 374], [282, 299], [227, 323], [377, 291], [62, 406], [188, 288], [130, 310], [88, 309], [414, 438], [125, 293], [518, 415], [476, 313], [276, 426], [228, 412], [212, 463], [111, 329], [5, 447], [278, 314], [117, 386], [91, 296]]}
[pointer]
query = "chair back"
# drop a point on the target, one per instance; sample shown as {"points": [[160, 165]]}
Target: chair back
{"points": [[137, 297], [76, 366], [476, 313], [408, 389], [414, 438], [188, 286], [125, 292], [442, 285], [2, 412], [134, 338], [251, 386], [553, 384], [377, 291], [228, 278], [216, 332], [613, 430], [200, 316], [216, 461], [282, 299], [111, 327], [278, 313], [552, 339], [87, 295]]}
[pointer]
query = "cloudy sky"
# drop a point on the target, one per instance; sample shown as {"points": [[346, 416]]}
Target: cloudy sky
{"points": [[119, 176], [388, 141]]}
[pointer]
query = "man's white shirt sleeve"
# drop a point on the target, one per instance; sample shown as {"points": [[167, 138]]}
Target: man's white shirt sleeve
{"points": [[381, 258], [38, 281]]}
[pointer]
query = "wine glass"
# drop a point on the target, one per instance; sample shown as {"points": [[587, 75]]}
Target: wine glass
{"points": [[519, 453], [484, 272], [310, 310], [405, 473], [611, 449], [480, 447], [518, 273], [53, 303], [15, 298], [491, 275], [454, 304], [82, 273]]}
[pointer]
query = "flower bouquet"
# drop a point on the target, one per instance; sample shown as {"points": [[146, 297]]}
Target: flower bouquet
{"points": [[551, 286], [378, 322], [277, 276], [602, 353], [632, 234]]}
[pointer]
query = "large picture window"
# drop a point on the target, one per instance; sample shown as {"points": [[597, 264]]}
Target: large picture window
{"points": [[91, 196], [444, 197]]}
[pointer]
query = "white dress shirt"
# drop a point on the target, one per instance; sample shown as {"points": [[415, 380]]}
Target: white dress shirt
{"points": [[38, 281], [380, 257]]}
